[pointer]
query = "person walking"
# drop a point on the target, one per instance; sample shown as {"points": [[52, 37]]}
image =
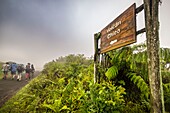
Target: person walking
{"points": [[13, 70], [32, 70], [5, 69], [19, 70], [27, 70]]}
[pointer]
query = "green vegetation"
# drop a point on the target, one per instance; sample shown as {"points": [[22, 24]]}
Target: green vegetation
{"points": [[66, 85], [1, 73]]}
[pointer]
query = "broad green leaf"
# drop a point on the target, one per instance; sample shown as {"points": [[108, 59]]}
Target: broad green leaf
{"points": [[111, 72]]}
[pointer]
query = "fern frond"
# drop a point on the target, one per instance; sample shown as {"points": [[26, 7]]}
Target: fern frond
{"points": [[133, 77], [137, 78], [111, 72], [129, 75], [166, 87], [140, 83]]}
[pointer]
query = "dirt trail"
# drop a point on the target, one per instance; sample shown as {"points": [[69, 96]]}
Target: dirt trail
{"points": [[9, 87]]}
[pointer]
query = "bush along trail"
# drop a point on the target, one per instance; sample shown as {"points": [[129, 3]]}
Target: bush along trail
{"points": [[9, 87], [66, 85]]}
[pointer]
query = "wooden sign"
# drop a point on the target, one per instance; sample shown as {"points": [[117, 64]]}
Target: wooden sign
{"points": [[120, 32]]}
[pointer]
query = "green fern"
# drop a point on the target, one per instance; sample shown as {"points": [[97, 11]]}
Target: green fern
{"points": [[140, 83], [166, 87], [112, 72]]}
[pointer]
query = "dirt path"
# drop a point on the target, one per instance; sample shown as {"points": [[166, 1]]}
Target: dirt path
{"points": [[9, 87]]}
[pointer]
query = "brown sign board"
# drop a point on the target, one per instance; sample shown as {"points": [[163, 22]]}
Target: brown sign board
{"points": [[120, 32]]}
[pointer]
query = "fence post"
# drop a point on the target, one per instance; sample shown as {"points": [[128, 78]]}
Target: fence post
{"points": [[96, 55]]}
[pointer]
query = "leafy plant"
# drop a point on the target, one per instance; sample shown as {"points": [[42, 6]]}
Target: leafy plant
{"points": [[66, 85], [128, 68], [112, 72], [140, 83]]}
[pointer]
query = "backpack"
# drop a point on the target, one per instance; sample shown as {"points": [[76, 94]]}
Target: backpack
{"points": [[13, 67], [6, 68], [27, 68], [19, 68]]}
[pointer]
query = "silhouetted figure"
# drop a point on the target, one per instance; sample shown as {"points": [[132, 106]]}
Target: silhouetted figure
{"points": [[32, 70], [13, 70], [20, 69], [5, 69], [27, 70]]}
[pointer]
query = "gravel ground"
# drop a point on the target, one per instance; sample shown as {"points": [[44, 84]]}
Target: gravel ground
{"points": [[9, 87]]}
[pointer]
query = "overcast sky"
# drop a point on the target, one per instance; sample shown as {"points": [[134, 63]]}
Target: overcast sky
{"points": [[38, 31]]}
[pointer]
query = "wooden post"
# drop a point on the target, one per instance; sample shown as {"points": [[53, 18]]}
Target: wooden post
{"points": [[96, 55], [152, 34]]}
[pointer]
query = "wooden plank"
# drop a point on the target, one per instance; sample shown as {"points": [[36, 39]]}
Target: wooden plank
{"points": [[120, 32]]}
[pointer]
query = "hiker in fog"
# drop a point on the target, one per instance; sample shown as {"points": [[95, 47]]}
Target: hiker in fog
{"points": [[32, 70], [5, 69], [19, 70], [27, 70], [13, 70]]}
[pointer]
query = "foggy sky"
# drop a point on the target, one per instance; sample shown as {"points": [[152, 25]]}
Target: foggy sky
{"points": [[38, 31]]}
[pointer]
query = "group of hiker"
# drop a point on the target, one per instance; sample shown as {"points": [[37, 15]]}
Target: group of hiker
{"points": [[17, 71]]}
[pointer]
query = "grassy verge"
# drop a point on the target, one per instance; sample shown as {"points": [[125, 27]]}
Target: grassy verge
{"points": [[14, 101]]}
